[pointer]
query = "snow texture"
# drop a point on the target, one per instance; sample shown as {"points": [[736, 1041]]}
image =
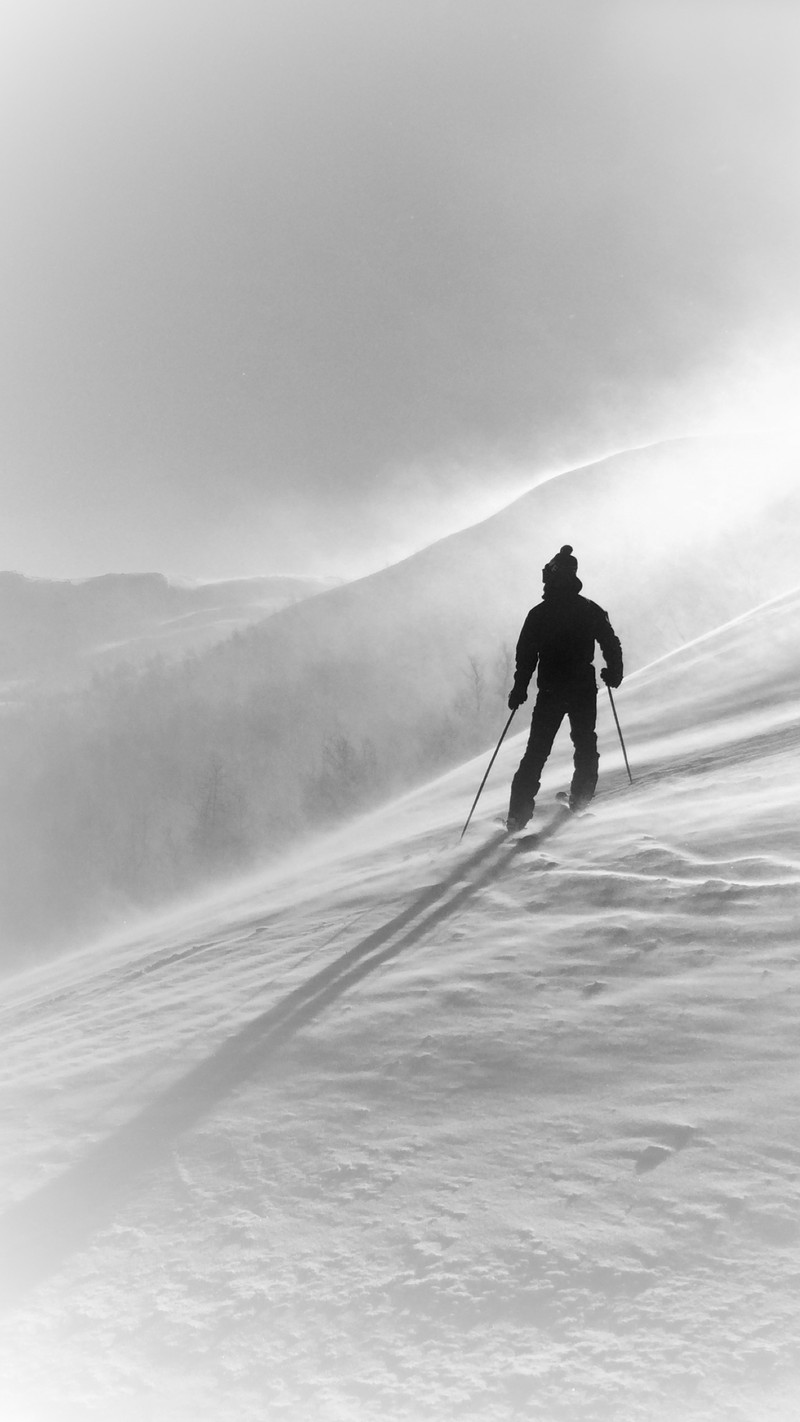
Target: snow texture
{"points": [[413, 1129]]}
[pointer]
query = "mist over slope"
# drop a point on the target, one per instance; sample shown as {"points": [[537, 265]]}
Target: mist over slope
{"points": [[60, 634], [152, 787], [674, 539], [413, 1130]]}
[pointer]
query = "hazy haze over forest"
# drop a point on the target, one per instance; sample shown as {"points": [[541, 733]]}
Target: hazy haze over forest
{"points": [[301, 286]]}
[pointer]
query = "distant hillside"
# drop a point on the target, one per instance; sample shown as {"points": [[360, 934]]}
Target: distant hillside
{"points": [[60, 633], [147, 787]]}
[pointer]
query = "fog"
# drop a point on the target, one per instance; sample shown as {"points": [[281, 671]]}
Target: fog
{"points": [[300, 287]]}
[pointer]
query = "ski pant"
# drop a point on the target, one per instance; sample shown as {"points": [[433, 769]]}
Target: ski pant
{"points": [[552, 705]]}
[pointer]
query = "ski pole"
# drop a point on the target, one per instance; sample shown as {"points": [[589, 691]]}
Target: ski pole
{"points": [[619, 732], [488, 768]]}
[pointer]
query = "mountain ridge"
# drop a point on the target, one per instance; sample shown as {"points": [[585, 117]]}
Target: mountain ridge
{"points": [[60, 632]]}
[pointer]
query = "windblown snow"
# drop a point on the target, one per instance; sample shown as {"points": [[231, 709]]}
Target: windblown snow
{"points": [[419, 1129]]}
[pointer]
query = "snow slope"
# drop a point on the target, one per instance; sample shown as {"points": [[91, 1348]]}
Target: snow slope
{"points": [[420, 1129]]}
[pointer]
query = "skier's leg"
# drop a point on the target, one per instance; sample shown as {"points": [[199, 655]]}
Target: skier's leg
{"points": [[548, 714], [582, 712]]}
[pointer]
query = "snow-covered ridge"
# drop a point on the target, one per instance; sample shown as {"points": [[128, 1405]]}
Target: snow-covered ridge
{"points": [[414, 1129]]}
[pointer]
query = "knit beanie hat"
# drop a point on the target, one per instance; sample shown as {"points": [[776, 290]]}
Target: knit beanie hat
{"points": [[562, 570]]}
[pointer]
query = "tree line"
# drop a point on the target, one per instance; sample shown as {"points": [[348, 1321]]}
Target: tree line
{"points": [[152, 784]]}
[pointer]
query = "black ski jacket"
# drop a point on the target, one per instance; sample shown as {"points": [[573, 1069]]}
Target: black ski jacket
{"points": [[560, 634]]}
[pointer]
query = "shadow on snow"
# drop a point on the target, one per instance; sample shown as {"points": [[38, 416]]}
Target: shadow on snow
{"points": [[39, 1233]]}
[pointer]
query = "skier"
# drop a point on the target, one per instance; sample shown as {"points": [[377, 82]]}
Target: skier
{"points": [[559, 634]]}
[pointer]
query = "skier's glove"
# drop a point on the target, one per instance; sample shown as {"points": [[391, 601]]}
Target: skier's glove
{"points": [[610, 679], [516, 698]]}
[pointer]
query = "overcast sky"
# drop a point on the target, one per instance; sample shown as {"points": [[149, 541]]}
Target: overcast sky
{"points": [[300, 284]]}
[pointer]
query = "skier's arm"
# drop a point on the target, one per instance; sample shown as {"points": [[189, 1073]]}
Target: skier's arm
{"points": [[611, 673], [527, 657]]}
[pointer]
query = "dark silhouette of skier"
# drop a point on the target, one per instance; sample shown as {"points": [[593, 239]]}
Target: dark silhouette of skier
{"points": [[559, 635]]}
